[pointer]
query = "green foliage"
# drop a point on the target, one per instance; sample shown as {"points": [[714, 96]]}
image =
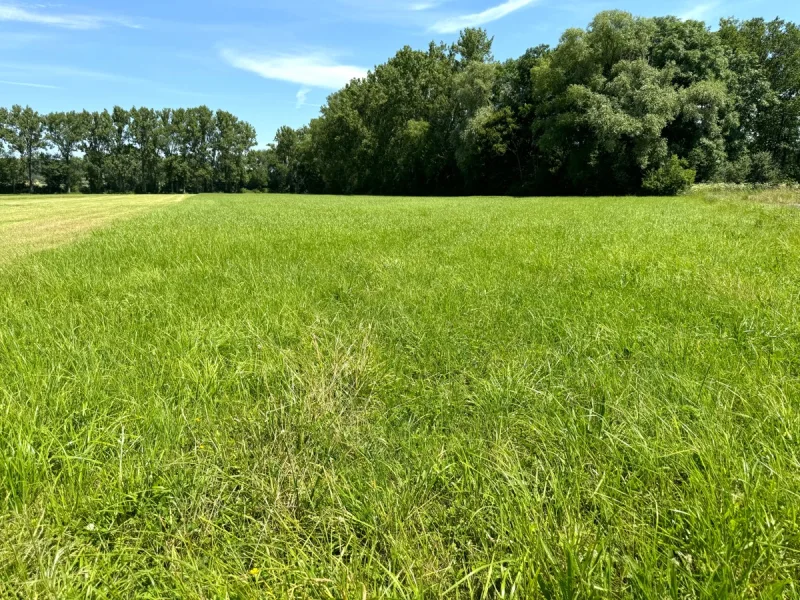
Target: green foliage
{"points": [[24, 133], [473, 45], [670, 179]]}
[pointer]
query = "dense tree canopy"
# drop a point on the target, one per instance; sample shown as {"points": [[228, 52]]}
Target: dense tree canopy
{"points": [[628, 105]]}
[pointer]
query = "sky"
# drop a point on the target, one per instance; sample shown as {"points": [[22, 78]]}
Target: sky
{"points": [[270, 62]]}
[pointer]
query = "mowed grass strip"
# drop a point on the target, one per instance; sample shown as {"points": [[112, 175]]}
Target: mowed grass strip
{"points": [[249, 397], [30, 223]]}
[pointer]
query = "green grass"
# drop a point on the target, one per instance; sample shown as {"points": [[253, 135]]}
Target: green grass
{"points": [[266, 396]]}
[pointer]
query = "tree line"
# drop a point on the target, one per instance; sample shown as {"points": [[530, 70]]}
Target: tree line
{"points": [[628, 105], [122, 151]]}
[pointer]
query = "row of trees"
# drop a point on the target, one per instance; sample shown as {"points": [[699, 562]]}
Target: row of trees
{"points": [[628, 105], [138, 150]]}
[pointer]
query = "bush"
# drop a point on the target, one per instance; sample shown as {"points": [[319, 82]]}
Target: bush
{"points": [[763, 169], [756, 169], [670, 179], [735, 171]]}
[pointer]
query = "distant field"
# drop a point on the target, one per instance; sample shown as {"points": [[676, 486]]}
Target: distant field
{"points": [[29, 223], [276, 396]]}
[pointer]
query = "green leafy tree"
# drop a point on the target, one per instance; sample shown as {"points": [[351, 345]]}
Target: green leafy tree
{"points": [[5, 134], [172, 148], [766, 61], [25, 133], [145, 133], [601, 107], [122, 166], [97, 146], [66, 132], [233, 139], [198, 137], [473, 45], [9, 164], [259, 164]]}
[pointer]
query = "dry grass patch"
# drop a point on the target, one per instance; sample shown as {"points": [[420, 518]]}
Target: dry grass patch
{"points": [[31, 223], [785, 195]]}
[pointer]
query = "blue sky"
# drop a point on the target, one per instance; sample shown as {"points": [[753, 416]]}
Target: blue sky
{"points": [[270, 62]]}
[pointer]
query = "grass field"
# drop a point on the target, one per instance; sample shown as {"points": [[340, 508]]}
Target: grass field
{"points": [[267, 396]]}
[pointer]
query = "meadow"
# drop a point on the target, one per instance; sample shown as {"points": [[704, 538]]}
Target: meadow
{"points": [[265, 396]]}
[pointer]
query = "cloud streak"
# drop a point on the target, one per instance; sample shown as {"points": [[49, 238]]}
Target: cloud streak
{"points": [[699, 12], [311, 70], [18, 39], [457, 23], [32, 85], [50, 71], [19, 14], [59, 73]]}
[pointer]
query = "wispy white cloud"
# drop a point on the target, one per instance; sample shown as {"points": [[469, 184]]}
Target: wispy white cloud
{"points": [[700, 12], [61, 73], [314, 70], [457, 23], [67, 72], [403, 13], [394, 6], [33, 85], [18, 39], [35, 15], [302, 96]]}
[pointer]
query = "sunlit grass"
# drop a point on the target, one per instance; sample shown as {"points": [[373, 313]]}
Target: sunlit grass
{"points": [[30, 223], [273, 396]]}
